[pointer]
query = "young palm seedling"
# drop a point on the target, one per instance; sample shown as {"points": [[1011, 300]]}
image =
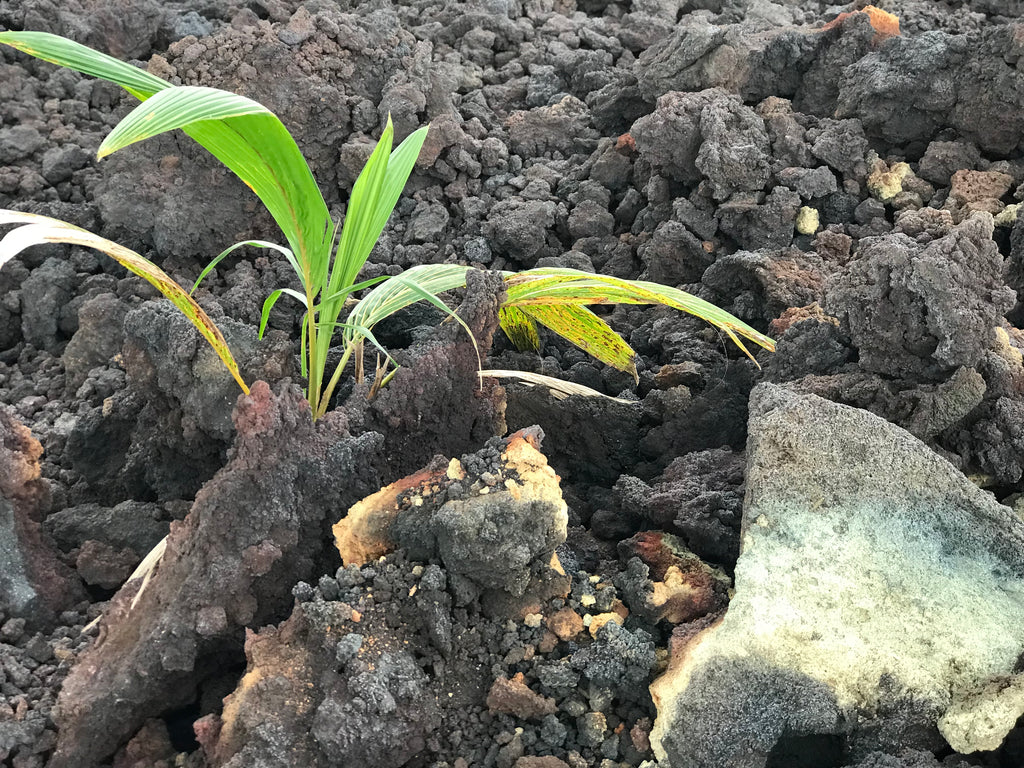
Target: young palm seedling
{"points": [[253, 143]]}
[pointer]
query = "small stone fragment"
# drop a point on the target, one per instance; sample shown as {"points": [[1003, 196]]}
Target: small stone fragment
{"points": [[975, 186], [982, 720], [807, 221], [598, 621], [547, 761], [566, 623], [591, 728], [104, 566], [514, 697], [885, 182]]}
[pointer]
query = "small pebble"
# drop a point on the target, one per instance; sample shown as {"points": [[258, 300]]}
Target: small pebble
{"points": [[348, 647], [12, 630], [302, 592]]}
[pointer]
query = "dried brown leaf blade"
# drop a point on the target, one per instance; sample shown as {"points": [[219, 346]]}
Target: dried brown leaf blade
{"points": [[37, 230]]}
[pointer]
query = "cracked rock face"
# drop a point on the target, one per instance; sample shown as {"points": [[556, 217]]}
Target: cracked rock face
{"points": [[874, 581]]}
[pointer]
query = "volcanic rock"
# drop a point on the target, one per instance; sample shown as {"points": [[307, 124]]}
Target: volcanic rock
{"points": [[869, 581]]}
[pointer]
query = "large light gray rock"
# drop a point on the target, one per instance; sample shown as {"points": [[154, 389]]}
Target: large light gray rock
{"points": [[879, 595]]}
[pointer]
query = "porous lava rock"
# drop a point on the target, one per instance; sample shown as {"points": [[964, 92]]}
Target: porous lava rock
{"points": [[34, 585], [168, 431], [855, 564], [913, 87], [252, 531], [491, 517], [923, 309]]}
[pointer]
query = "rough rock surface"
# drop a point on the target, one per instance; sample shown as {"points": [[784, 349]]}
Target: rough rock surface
{"points": [[34, 585], [925, 306], [436, 403], [760, 154], [912, 87], [166, 433], [217, 576], [377, 664], [882, 553], [491, 517]]}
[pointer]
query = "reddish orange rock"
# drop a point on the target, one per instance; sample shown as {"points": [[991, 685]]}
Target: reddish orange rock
{"points": [[795, 315], [885, 24], [566, 623], [972, 187], [685, 587], [514, 697]]}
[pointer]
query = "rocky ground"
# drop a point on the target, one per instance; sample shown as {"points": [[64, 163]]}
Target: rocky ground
{"points": [[815, 562]]}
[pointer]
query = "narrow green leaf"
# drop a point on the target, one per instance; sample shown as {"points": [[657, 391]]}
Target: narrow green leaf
{"points": [[231, 249], [373, 199], [253, 143], [353, 247], [67, 53], [177, 107], [400, 166], [705, 310], [588, 332], [519, 328], [303, 352], [271, 300], [362, 285], [42, 229], [361, 332]]}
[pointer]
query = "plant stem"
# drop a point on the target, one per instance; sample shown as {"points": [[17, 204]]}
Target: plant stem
{"points": [[334, 380], [314, 366]]}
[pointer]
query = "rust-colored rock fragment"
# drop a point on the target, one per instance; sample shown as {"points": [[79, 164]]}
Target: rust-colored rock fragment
{"points": [[600, 619], [497, 525], [514, 697], [977, 191], [105, 566], [885, 24], [362, 535], [276, 667], [794, 315], [566, 623], [973, 186], [685, 587]]}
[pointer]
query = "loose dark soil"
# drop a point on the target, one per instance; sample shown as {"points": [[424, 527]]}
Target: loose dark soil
{"points": [[848, 190]]}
